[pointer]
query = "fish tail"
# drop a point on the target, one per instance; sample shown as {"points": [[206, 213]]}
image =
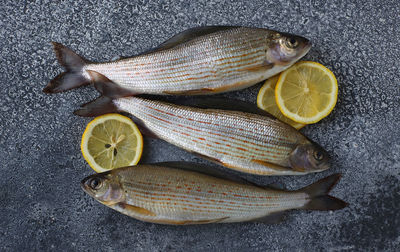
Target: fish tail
{"points": [[73, 76], [104, 104], [100, 106], [319, 198]]}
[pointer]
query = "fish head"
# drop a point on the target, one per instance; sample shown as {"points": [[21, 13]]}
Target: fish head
{"points": [[104, 187], [308, 158], [285, 49]]}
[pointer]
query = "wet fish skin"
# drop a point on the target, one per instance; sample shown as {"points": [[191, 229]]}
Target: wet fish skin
{"points": [[203, 60], [241, 141], [167, 195]]}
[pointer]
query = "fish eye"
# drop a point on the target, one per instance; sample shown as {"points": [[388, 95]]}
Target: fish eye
{"points": [[95, 183], [318, 155], [292, 42]]}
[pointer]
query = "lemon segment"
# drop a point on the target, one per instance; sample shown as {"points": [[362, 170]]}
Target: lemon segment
{"points": [[266, 101], [306, 92], [111, 141]]}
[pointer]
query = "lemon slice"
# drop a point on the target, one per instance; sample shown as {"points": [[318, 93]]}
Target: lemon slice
{"points": [[111, 141], [266, 101], [306, 92]]}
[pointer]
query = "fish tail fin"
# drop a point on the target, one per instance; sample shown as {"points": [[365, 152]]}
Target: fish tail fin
{"points": [[73, 76], [319, 198], [100, 106]]}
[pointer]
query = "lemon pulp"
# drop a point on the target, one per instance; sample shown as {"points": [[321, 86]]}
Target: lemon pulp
{"points": [[306, 92], [111, 141], [266, 101]]}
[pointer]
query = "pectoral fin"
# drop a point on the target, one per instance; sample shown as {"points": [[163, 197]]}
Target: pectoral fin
{"points": [[136, 209], [261, 67], [271, 166]]}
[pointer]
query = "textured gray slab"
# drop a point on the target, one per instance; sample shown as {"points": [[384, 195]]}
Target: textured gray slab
{"points": [[41, 204]]}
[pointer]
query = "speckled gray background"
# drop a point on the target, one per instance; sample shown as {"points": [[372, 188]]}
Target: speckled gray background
{"points": [[42, 206]]}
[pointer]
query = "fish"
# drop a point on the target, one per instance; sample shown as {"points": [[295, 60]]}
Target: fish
{"points": [[247, 142], [166, 194], [198, 61]]}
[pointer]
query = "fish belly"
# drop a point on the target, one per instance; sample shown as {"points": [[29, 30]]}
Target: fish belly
{"points": [[172, 196]]}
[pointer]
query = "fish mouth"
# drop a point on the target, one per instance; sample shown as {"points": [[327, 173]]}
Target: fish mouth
{"points": [[324, 167], [306, 48]]}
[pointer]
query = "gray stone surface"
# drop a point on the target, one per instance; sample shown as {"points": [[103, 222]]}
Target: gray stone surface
{"points": [[42, 206]]}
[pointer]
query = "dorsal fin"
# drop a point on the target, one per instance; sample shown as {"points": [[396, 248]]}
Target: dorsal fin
{"points": [[222, 103], [190, 34], [180, 38], [204, 169]]}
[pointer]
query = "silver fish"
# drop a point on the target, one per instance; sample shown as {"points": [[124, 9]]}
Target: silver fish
{"points": [[203, 60], [243, 141], [168, 195]]}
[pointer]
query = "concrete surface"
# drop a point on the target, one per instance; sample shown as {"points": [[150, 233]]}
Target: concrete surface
{"points": [[42, 206]]}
